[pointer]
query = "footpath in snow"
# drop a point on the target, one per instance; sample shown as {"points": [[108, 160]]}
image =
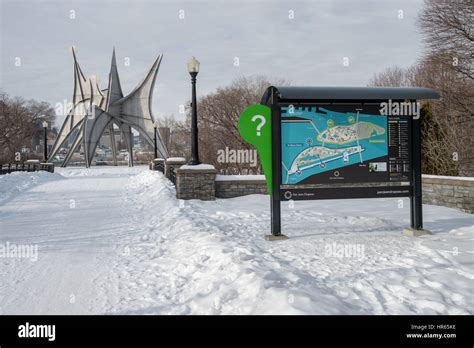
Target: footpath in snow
{"points": [[116, 241]]}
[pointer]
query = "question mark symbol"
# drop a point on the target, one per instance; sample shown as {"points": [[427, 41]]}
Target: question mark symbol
{"points": [[261, 124]]}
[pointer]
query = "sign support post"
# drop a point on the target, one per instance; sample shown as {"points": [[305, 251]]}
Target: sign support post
{"points": [[417, 207], [276, 169], [416, 201]]}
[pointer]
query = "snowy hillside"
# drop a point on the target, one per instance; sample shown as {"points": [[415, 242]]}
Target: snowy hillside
{"points": [[117, 241]]}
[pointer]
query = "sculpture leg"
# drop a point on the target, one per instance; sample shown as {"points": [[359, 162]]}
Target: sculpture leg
{"points": [[128, 139], [130, 150], [75, 145], [112, 143]]}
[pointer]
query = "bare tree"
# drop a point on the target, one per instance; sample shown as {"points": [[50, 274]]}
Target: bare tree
{"points": [[447, 67], [20, 121], [448, 28], [391, 77], [179, 139]]}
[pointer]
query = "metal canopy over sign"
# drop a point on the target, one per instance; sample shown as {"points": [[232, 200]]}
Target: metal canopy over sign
{"points": [[345, 142]]}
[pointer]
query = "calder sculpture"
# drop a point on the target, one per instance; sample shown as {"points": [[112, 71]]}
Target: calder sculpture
{"points": [[95, 110]]}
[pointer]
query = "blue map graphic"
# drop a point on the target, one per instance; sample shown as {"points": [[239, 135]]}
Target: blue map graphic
{"points": [[316, 140]]}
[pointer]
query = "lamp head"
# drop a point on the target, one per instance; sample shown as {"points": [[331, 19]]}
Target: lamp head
{"points": [[193, 65]]}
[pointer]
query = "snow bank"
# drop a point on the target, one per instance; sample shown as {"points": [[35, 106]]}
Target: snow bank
{"points": [[201, 166], [175, 159], [100, 171], [239, 177], [18, 182], [128, 246], [193, 257]]}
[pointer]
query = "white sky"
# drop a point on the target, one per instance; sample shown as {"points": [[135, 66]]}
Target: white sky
{"points": [[307, 50]]}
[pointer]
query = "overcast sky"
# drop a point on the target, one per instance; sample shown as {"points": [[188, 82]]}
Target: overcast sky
{"points": [[308, 49]]}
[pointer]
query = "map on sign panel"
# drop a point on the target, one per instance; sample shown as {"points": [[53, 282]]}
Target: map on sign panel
{"points": [[316, 140]]}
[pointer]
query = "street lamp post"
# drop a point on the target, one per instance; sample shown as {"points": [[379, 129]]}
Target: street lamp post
{"points": [[193, 69], [155, 125], [45, 127], [24, 150]]}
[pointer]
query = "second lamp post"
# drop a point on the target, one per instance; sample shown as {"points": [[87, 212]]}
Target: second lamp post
{"points": [[45, 147], [193, 69], [155, 148]]}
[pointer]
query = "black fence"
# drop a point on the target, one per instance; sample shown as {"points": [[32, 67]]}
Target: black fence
{"points": [[160, 166], [26, 167], [157, 165], [172, 175]]}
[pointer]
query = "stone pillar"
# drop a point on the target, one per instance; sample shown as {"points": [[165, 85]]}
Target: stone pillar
{"points": [[171, 165], [158, 164], [196, 182]]}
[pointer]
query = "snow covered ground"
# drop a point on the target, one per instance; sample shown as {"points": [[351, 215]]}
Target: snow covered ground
{"points": [[115, 240]]}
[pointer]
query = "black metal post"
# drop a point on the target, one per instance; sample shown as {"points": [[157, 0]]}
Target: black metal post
{"points": [[45, 144], [412, 183], [276, 165], [416, 219], [194, 127], [156, 148]]}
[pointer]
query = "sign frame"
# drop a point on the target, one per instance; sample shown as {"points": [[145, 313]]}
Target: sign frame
{"points": [[274, 97]]}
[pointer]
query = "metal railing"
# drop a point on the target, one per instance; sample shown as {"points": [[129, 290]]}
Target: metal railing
{"points": [[7, 168], [172, 175], [160, 167]]}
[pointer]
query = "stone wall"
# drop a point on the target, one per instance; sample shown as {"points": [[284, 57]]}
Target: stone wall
{"points": [[196, 182], [228, 187], [454, 192]]}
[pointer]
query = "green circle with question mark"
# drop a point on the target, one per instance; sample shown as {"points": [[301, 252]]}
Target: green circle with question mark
{"points": [[255, 128]]}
